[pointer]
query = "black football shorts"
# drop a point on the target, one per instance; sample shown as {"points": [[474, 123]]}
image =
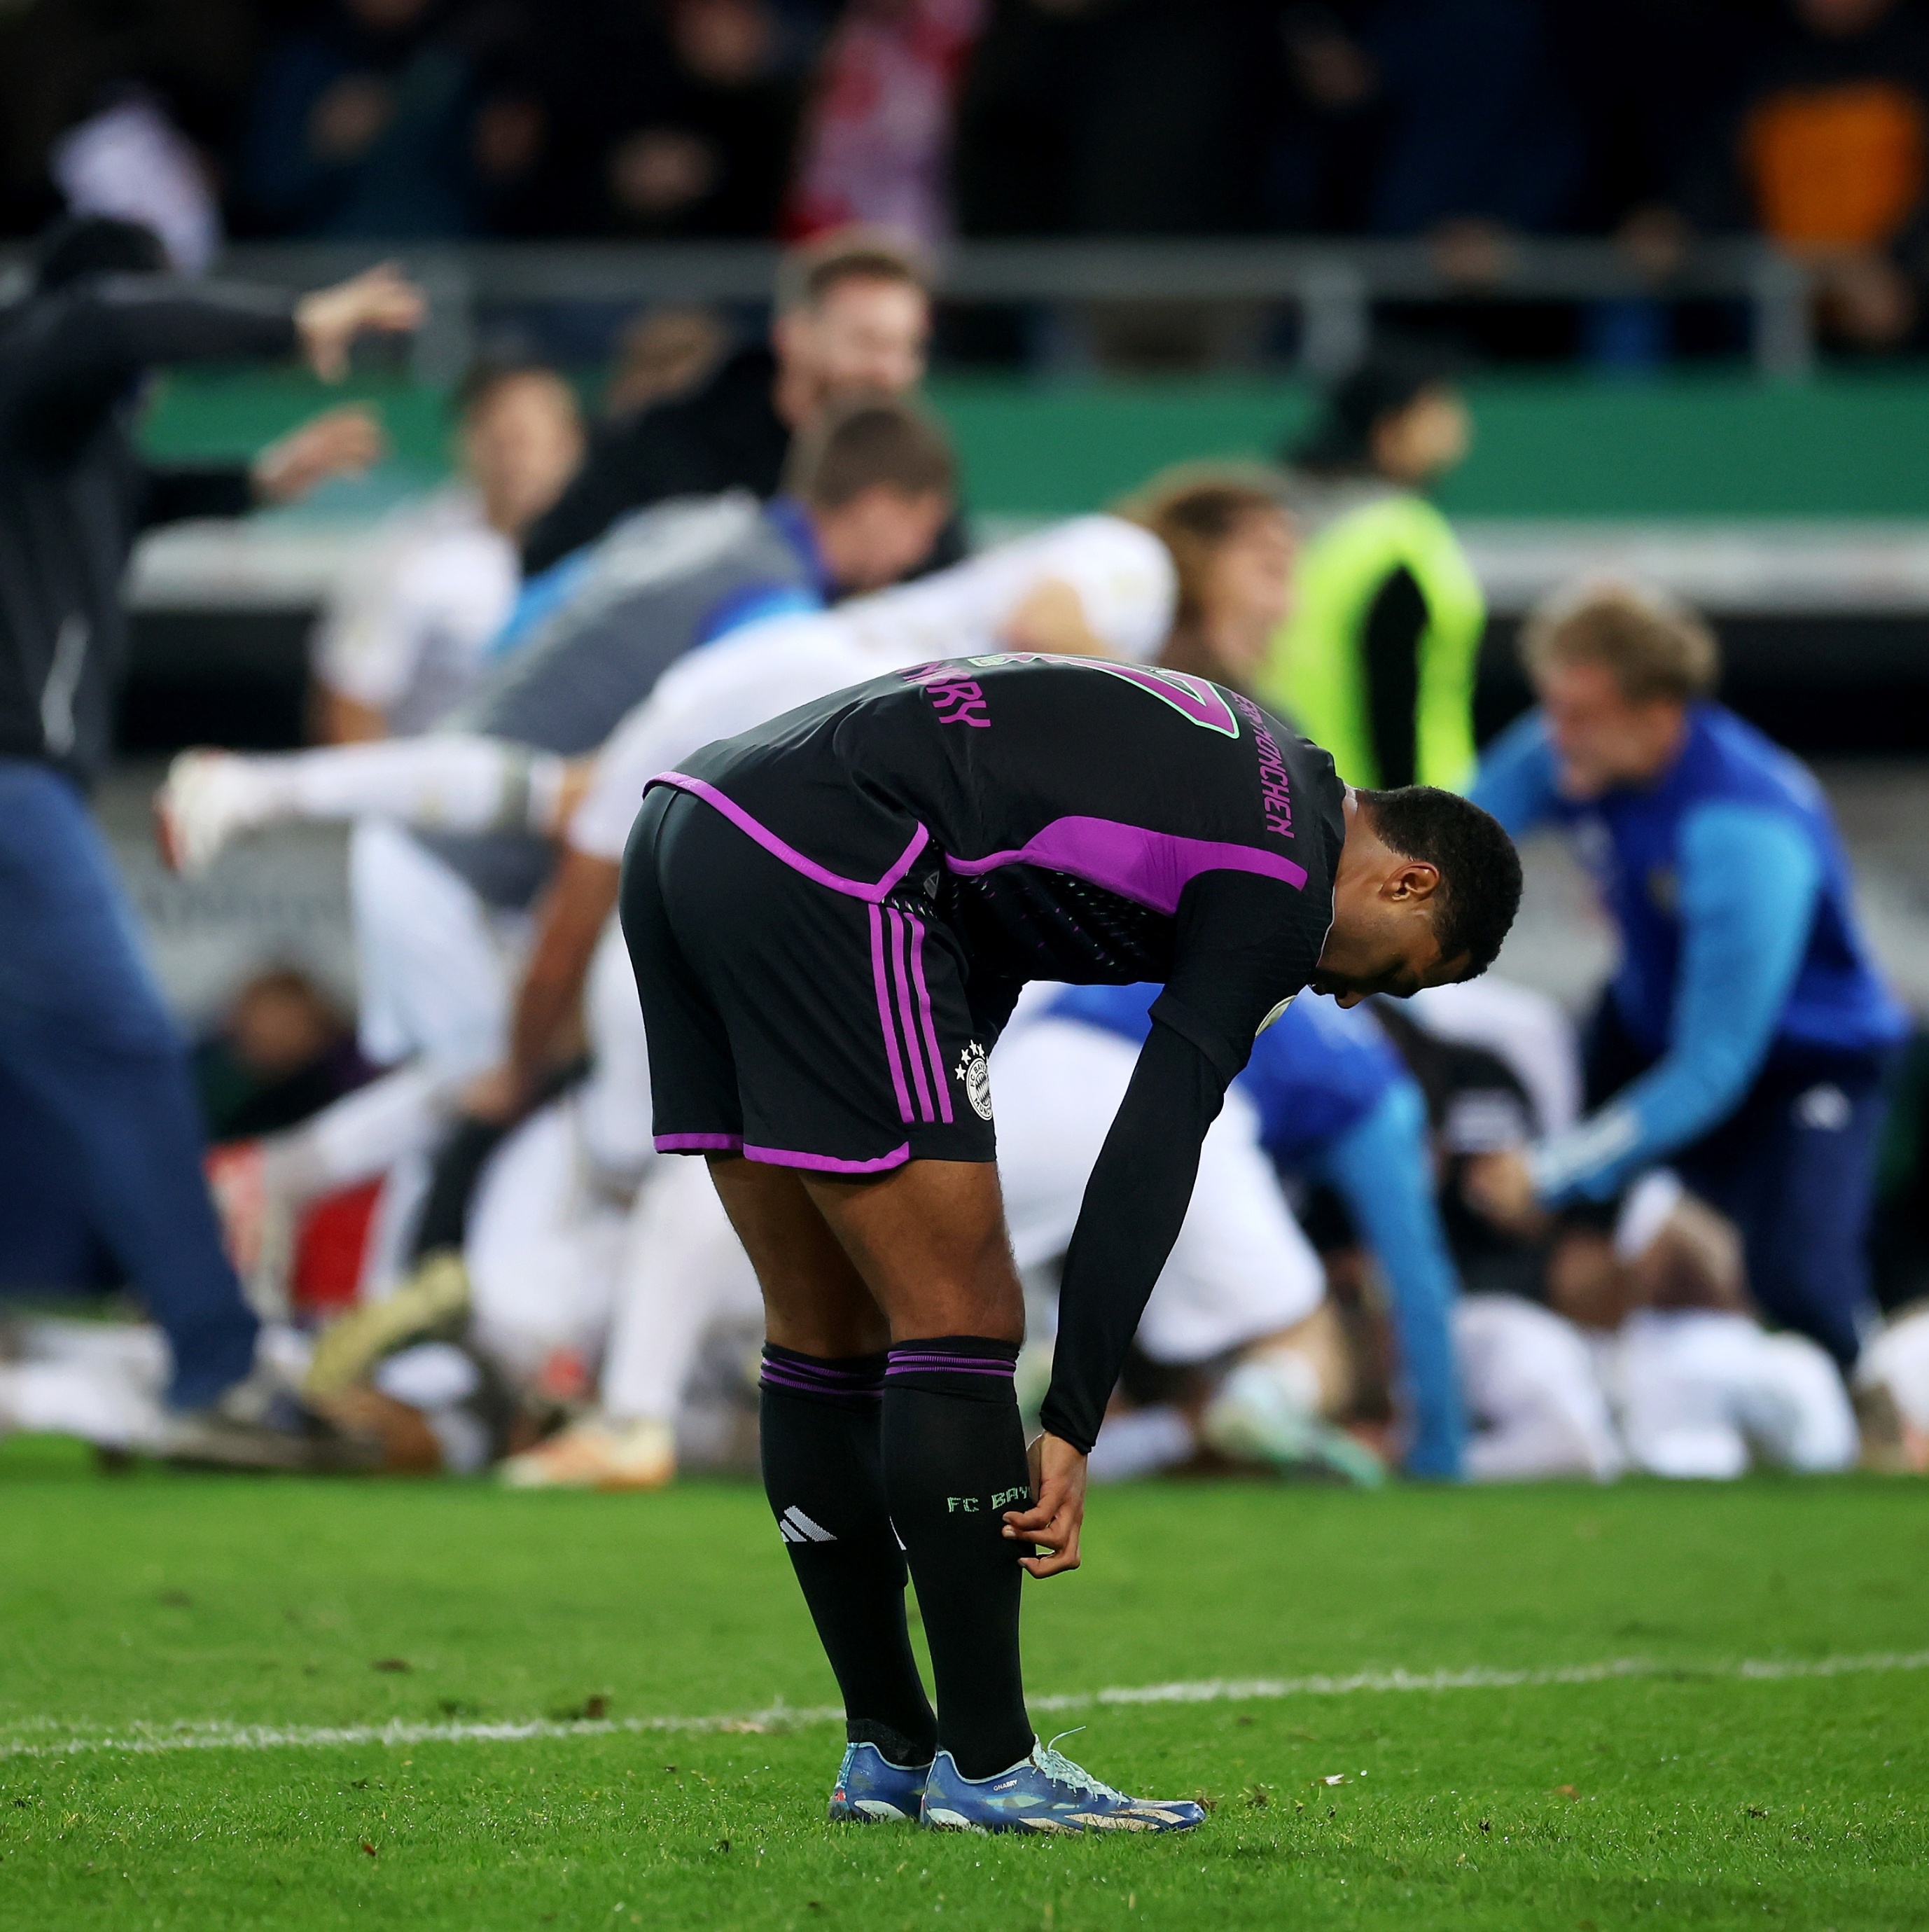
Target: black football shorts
{"points": [[795, 1024]]}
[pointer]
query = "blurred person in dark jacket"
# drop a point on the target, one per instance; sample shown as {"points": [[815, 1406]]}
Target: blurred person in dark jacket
{"points": [[1116, 117], [83, 1030], [1826, 151], [394, 119], [853, 315], [702, 102]]}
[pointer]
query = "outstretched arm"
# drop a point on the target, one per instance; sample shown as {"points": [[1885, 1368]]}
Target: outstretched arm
{"points": [[104, 335], [1516, 781], [1380, 1167], [1748, 889]]}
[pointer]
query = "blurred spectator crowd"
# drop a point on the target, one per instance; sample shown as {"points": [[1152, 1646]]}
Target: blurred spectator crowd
{"points": [[1805, 119]]}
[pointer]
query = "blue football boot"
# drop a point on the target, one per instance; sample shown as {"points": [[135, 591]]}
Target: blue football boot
{"points": [[871, 1790], [1045, 1792]]}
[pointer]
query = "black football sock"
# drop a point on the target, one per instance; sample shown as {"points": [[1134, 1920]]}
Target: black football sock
{"points": [[821, 1472], [954, 1463]]}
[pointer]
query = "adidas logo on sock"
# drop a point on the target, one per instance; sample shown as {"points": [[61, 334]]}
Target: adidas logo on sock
{"points": [[798, 1527]]}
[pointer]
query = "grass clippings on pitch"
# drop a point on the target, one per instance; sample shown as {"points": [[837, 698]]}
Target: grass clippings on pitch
{"points": [[139, 1612]]}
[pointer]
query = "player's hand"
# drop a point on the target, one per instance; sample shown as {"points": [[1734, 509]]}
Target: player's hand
{"points": [[380, 300], [338, 443], [1058, 1483], [1500, 1187]]}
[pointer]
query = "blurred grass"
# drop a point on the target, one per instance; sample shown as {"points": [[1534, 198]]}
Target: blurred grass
{"points": [[161, 1597]]}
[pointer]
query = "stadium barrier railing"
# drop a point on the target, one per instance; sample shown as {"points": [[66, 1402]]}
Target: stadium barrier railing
{"points": [[1330, 287]]}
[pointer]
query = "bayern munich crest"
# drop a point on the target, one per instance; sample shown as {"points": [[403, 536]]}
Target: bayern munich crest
{"points": [[976, 1075]]}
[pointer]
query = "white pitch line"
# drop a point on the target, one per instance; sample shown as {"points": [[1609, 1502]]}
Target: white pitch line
{"points": [[147, 1739]]}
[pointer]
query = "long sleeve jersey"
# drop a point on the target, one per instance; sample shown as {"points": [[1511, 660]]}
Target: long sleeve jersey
{"points": [[1080, 819], [1335, 1104], [75, 493], [1728, 883]]}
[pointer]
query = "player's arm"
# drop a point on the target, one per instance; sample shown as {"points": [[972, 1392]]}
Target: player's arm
{"points": [[111, 331], [338, 443], [1135, 1204], [1747, 888], [1516, 781], [1243, 944], [570, 922], [1380, 1166], [596, 808]]}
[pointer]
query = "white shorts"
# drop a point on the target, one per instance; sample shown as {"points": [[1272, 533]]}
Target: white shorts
{"points": [[1705, 1394], [1241, 1269], [1534, 1397]]}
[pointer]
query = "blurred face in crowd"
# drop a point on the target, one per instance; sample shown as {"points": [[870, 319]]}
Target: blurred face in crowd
{"points": [[1841, 19], [1601, 738], [521, 444], [1247, 592], [864, 334], [880, 534], [1431, 436]]}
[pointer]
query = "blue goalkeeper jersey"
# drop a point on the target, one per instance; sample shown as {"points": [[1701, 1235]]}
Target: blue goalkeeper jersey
{"points": [[1739, 938]]}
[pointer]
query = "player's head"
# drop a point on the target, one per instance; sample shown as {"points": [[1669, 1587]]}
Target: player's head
{"points": [[79, 246], [853, 317], [875, 475], [1399, 416], [1615, 667], [1427, 887], [1232, 554], [521, 438]]}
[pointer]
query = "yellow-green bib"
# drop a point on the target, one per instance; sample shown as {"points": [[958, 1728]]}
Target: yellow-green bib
{"points": [[1315, 675]]}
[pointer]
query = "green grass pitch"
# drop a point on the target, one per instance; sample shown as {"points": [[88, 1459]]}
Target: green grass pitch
{"points": [[1682, 1793]]}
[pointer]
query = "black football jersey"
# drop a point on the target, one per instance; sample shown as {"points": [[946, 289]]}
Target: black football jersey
{"points": [[1071, 818]]}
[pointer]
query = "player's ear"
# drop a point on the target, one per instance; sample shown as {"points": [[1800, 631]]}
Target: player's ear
{"points": [[1414, 880]]}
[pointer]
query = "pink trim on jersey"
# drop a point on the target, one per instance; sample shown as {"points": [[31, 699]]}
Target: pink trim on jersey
{"points": [[926, 1112], [879, 980], [1151, 869], [698, 1143], [820, 875], [825, 1163], [925, 1019]]}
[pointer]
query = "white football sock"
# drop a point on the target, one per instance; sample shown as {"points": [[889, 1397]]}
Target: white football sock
{"points": [[682, 1269]]}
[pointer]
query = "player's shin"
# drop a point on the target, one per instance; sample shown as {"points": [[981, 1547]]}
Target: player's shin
{"points": [[954, 1462], [822, 1472]]}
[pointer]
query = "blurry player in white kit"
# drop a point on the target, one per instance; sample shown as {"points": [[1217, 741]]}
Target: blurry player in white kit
{"points": [[1096, 583]]}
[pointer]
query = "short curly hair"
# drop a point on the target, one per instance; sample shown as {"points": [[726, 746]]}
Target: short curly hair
{"points": [[1479, 868]]}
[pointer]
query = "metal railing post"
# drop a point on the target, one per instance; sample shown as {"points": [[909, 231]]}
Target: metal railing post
{"points": [[1335, 318], [1784, 319], [445, 345]]}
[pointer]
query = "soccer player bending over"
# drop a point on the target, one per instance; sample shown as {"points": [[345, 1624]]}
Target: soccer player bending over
{"points": [[830, 917]]}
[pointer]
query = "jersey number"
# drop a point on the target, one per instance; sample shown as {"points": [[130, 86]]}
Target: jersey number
{"points": [[1192, 697]]}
